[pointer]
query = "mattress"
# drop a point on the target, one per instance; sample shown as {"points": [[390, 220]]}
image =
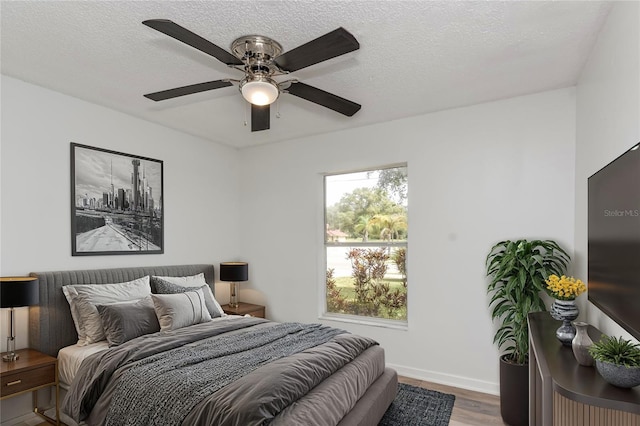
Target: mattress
{"points": [[71, 357]]}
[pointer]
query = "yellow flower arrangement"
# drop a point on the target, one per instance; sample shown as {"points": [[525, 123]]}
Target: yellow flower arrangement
{"points": [[564, 288]]}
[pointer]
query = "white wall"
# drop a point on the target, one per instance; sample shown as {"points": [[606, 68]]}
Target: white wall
{"points": [[608, 120], [502, 170], [200, 190]]}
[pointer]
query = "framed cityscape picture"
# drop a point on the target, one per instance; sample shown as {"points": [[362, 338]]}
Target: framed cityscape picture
{"points": [[117, 203]]}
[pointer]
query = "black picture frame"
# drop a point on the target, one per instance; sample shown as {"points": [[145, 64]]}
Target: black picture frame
{"points": [[117, 203]]}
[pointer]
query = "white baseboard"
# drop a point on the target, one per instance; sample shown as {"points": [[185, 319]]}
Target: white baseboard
{"points": [[448, 379]]}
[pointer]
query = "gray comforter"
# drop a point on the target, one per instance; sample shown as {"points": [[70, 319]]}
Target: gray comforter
{"points": [[181, 377]]}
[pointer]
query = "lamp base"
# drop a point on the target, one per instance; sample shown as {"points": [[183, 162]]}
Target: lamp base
{"points": [[11, 354], [233, 295], [10, 357]]}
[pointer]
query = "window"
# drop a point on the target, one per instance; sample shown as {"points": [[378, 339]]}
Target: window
{"points": [[366, 230]]}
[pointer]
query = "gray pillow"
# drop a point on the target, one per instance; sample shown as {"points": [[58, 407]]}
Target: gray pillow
{"points": [[161, 286], [180, 310], [125, 321]]}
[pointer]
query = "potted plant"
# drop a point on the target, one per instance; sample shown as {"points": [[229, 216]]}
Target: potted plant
{"points": [[518, 270], [617, 361]]}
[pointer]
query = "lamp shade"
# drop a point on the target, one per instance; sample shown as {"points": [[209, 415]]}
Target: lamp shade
{"points": [[234, 271], [18, 291]]}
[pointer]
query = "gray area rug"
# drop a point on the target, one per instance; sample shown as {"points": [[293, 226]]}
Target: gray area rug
{"points": [[415, 406]]}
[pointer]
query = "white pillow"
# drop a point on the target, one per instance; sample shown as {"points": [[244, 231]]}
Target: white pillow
{"points": [[196, 281], [83, 299], [180, 310]]}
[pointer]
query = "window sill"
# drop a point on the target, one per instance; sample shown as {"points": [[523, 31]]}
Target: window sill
{"points": [[375, 322]]}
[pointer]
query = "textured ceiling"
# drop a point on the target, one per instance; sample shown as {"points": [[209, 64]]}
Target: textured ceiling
{"points": [[415, 57]]}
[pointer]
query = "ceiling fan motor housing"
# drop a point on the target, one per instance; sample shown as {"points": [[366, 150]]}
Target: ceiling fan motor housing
{"points": [[257, 53]]}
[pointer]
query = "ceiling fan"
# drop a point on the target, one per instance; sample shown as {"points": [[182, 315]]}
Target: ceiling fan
{"points": [[261, 59]]}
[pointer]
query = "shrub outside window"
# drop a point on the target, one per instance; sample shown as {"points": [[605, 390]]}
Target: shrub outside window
{"points": [[366, 231]]}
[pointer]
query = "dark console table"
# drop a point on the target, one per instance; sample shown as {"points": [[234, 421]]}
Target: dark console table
{"points": [[564, 393]]}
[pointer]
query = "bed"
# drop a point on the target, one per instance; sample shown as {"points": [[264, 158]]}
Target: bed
{"points": [[345, 378]]}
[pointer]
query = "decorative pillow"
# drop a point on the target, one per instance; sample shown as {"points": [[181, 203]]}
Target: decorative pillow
{"points": [[189, 281], [125, 321], [172, 285], [165, 287], [83, 299], [180, 310]]}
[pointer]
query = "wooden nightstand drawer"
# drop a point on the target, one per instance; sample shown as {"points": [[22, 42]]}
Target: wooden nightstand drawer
{"points": [[256, 313], [25, 380], [245, 309]]}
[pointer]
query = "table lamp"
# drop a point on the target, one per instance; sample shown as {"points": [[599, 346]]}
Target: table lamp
{"points": [[234, 272], [16, 292]]}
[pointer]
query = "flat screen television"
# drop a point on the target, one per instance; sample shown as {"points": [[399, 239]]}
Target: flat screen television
{"points": [[614, 240]]}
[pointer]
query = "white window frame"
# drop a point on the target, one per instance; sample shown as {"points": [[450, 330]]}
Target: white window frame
{"points": [[322, 263]]}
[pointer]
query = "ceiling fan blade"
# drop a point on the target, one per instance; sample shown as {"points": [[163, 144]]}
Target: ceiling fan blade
{"points": [[326, 99], [336, 43], [182, 34], [187, 90], [260, 117]]}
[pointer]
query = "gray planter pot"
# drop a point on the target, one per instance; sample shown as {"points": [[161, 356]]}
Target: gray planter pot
{"points": [[619, 375]]}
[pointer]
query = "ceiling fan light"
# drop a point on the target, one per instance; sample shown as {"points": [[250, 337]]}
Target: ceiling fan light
{"points": [[260, 92]]}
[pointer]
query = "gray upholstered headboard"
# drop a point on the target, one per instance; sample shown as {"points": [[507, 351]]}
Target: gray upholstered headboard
{"points": [[51, 327]]}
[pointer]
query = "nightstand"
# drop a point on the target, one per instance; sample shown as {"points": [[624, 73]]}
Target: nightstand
{"points": [[32, 371], [244, 309]]}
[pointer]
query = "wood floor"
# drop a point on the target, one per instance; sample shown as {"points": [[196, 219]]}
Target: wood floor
{"points": [[470, 409]]}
